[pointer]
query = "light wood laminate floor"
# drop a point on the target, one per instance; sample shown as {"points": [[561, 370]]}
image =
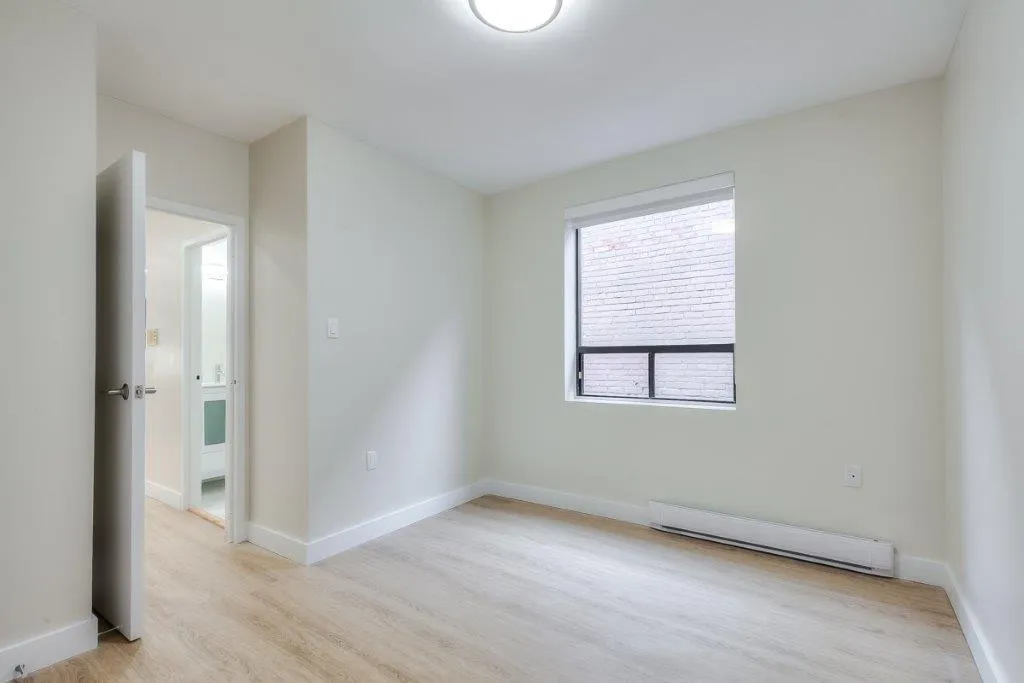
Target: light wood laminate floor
{"points": [[502, 590]]}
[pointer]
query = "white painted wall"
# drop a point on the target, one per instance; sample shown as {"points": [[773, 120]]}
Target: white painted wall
{"points": [[279, 379], [166, 237], [395, 252], [984, 148], [341, 229], [47, 295], [838, 324], [183, 164]]}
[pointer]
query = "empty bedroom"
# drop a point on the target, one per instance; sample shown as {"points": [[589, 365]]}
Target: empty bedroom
{"points": [[512, 340]]}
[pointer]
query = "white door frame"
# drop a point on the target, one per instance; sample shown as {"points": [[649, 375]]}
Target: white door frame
{"points": [[237, 509]]}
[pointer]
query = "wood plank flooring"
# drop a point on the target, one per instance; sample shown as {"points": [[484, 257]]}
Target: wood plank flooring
{"points": [[499, 590]]}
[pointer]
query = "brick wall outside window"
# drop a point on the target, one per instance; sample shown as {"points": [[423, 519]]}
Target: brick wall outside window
{"points": [[663, 278]]}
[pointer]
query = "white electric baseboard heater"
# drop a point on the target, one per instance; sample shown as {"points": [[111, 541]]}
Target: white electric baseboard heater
{"points": [[847, 552]]}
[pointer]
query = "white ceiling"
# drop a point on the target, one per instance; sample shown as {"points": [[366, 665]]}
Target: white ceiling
{"points": [[426, 80]]}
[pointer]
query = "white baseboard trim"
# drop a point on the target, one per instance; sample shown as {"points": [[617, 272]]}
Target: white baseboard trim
{"points": [[49, 648], [922, 570], [981, 647], [339, 542], [165, 495], [278, 543], [625, 512], [937, 573], [311, 552]]}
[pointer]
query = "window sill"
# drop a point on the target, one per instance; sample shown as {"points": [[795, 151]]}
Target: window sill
{"points": [[729, 407]]}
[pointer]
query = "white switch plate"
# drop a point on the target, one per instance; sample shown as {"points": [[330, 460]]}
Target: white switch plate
{"points": [[333, 328], [371, 460], [853, 476]]}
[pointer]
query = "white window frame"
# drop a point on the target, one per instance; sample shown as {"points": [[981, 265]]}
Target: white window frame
{"points": [[670, 197]]}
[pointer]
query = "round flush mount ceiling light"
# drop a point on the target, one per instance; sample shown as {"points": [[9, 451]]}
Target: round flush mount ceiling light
{"points": [[516, 16]]}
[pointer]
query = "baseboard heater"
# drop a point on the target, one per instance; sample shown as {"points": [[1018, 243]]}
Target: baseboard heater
{"points": [[863, 555]]}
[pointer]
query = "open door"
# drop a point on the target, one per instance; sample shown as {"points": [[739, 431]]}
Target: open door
{"points": [[118, 503]]}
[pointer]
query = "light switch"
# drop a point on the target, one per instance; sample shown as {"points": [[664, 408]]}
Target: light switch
{"points": [[153, 337], [333, 328]]}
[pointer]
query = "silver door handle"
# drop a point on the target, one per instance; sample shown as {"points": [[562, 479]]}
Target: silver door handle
{"points": [[124, 392], [141, 391]]}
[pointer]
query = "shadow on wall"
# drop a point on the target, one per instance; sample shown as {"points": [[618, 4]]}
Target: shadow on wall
{"points": [[416, 415], [990, 508]]}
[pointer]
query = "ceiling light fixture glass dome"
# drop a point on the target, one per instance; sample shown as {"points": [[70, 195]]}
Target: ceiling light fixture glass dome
{"points": [[516, 16]]}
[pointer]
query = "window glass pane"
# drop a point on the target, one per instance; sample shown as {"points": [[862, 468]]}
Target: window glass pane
{"points": [[693, 376], [663, 278], [615, 374]]}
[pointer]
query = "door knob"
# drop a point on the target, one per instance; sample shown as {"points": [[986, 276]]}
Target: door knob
{"points": [[124, 392], [141, 391]]}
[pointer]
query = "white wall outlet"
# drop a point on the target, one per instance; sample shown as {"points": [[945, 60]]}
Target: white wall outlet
{"points": [[853, 476], [371, 460], [333, 328]]}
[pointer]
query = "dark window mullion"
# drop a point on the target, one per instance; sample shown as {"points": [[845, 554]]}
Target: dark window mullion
{"points": [[734, 375], [579, 373], [661, 348], [652, 352]]}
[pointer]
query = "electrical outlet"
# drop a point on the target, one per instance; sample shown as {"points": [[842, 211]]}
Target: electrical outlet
{"points": [[371, 460], [853, 476]]}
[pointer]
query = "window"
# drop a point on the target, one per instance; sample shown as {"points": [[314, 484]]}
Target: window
{"points": [[655, 294]]}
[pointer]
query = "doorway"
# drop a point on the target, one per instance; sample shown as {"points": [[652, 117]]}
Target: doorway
{"points": [[195, 337]]}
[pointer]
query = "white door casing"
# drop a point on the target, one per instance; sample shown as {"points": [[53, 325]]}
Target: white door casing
{"points": [[236, 463]]}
